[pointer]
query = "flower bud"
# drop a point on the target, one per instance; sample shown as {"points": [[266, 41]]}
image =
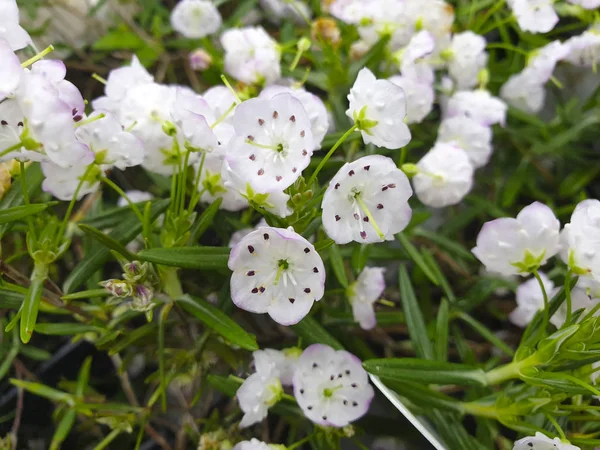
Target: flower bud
{"points": [[135, 271], [117, 288], [410, 169], [200, 60], [325, 29], [142, 297]]}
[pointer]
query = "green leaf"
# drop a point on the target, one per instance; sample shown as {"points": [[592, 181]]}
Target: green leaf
{"points": [[14, 196], [384, 318], [218, 321], [204, 221], [424, 396], [425, 372], [162, 318], [416, 257], [44, 391], [112, 217], [203, 258], [119, 39], [10, 299], [83, 378], [63, 429], [31, 302], [86, 294], [485, 332], [450, 245], [65, 329], [126, 231], [19, 212], [414, 317], [7, 361], [441, 331], [337, 264], [134, 336], [107, 241], [435, 268], [312, 332], [515, 183]]}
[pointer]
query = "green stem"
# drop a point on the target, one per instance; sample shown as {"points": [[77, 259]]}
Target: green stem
{"points": [[568, 296], [119, 191], [477, 409], [37, 57], [545, 295], [31, 303], [301, 442], [510, 371], [553, 421], [340, 141], [11, 149], [172, 285], [108, 439], [26, 198], [65, 221]]}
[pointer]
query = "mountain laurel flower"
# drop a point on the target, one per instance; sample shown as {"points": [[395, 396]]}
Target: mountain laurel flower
{"points": [[363, 293], [10, 30], [580, 242], [274, 142], [542, 442], [475, 139], [331, 387], [276, 271], [478, 105], [420, 96], [519, 246], [466, 57], [524, 91], [584, 49], [535, 16], [253, 444], [530, 300], [10, 73], [251, 55], [444, 176], [378, 108], [367, 201], [195, 19], [313, 105]]}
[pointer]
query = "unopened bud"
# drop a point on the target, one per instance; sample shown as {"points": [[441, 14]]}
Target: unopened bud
{"points": [[483, 78], [303, 44], [169, 128], [325, 29], [117, 288], [410, 169], [200, 60], [348, 431], [142, 297], [135, 271], [297, 198]]}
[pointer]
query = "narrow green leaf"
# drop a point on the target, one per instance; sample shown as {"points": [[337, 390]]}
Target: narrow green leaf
{"points": [[19, 212], [7, 361], [10, 299], [204, 221], [425, 396], [384, 318], [111, 217], [63, 429], [202, 258], [44, 391], [34, 353], [435, 268], [31, 303], [515, 183], [324, 244], [415, 255], [312, 332], [414, 317], [218, 321], [107, 241], [337, 264], [65, 329], [86, 294], [162, 318], [14, 196], [441, 331], [450, 245], [134, 336], [485, 332], [123, 233], [425, 372]]}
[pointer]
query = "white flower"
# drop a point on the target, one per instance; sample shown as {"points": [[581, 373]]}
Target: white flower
{"points": [[445, 176], [542, 442], [369, 189], [588, 285], [118, 84], [530, 300], [135, 196], [378, 108], [518, 246], [251, 55], [221, 99], [214, 184], [524, 91], [276, 271], [535, 16], [580, 299], [544, 60], [253, 444], [466, 58], [273, 144], [363, 293], [478, 105], [111, 145], [10, 72], [62, 182], [419, 97], [331, 387], [294, 10], [475, 139], [587, 4], [237, 236], [584, 50], [410, 57], [350, 11], [256, 395], [195, 18], [281, 362], [10, 30], [580, 239], [313, 105], [55, 71]]}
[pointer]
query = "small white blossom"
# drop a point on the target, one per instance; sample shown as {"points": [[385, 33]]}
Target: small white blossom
{"points": [[370, 188], [411, 56], [55, 71], [478, 105], [281, 362], [350, 11], [544, 60], [274, 142], [10, 72], [419, 97], [253, 444], [542, 442], [580, 299], [294, 10], [378, 108], [535, 16], [331, 387], [584, 50], [195, 19], [475, 139], [62, 182], [221, 99], [363, 293], [530, 300], [276, 271], [580, 242], [524, 91], [135, 196], [444, 177], [313, 105], [466, 58], [215, 182], [587, 4], [518, 246], [251, 55], [10, 30]]}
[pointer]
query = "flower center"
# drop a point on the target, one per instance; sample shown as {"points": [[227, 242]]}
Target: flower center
{"points": [[282, 265]]}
